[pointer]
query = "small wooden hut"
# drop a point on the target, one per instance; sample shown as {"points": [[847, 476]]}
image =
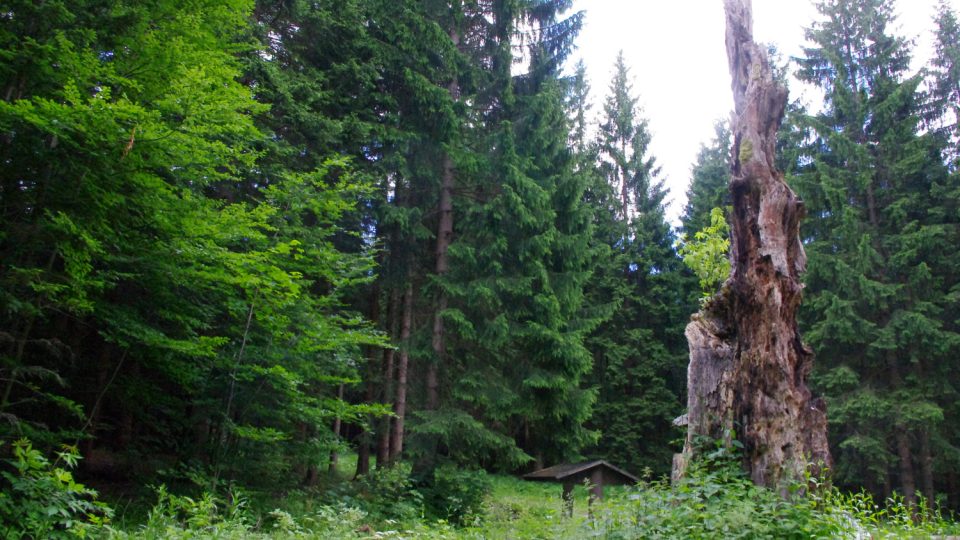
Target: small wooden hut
{"points": [[599, 473]]}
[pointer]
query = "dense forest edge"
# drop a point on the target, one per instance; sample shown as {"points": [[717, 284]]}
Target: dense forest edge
{"points": [[347, 268]]}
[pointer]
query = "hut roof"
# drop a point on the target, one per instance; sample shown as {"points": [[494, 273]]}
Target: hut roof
{"points": [[562, 472]]}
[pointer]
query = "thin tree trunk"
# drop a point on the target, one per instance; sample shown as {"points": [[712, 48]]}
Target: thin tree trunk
{"points": [[300, 468], [363, 439], [400, 405], [126, 425], [363, 444], [21, 343], [337, 424], [363, 448], [926, 470], [386, 377], [103, 376], [907, 480], [887, 484], [926, 455], [748, 365], [908, 483], [444, 237]]}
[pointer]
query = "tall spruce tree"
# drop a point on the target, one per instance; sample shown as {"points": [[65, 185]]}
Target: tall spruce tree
{"points": [[517, 267], [946, 116], [876, 301], [944, 112], [639, 353], [623, 137]]}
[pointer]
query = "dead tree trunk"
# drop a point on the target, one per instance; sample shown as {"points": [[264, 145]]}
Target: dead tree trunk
{"points": [[748, 365]]}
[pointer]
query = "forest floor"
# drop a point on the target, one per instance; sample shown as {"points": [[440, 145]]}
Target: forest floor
{"points": [[711, 504]]}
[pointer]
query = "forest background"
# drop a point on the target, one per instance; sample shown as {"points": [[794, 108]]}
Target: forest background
{"points": [[241, 238]]}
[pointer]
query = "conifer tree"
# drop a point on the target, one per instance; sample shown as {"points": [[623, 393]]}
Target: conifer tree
{"points": [[944, 113], [578, 108], [708, 181], [518, 263], [623, 137], [875, 304], [639, 352]]}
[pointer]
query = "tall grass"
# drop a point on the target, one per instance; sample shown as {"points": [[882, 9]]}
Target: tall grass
{"points": [[715, 500]]}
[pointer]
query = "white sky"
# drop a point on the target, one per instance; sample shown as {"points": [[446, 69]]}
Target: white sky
{"points": [[678, 63]]}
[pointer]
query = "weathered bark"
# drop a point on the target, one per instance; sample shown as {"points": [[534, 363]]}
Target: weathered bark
{"points": [[300, 467], [568, 499], [887, 484], [400, 404], [748, 365]]}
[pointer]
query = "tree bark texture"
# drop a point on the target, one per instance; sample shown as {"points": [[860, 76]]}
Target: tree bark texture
{"points": [[748, 365]]}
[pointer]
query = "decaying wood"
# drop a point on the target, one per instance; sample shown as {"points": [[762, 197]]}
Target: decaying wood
{"points": [[748, 365]]}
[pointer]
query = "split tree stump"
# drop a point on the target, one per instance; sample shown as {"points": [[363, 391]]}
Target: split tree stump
{"points": [[748, 365]]}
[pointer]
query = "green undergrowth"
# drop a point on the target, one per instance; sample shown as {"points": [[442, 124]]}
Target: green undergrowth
{"points": [[715, 500], [716, 504]]}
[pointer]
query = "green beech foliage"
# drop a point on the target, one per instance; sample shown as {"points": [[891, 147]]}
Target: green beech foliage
{"points": [[708, 253], [157, 286]]}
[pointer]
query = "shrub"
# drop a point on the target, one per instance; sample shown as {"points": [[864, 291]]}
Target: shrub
{"points": [[42, 500], [716, 499], [383, 494], [182, 517], [457, 495]]}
